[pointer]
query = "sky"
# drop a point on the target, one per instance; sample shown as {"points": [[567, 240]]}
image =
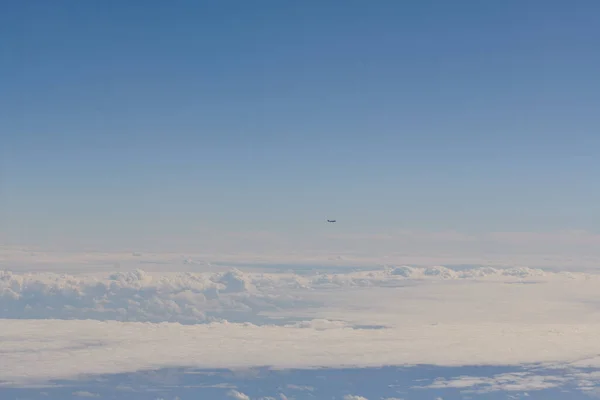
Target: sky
{"points": [[135, 123]]}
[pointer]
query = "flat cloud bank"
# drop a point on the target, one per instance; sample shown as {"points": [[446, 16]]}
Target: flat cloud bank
{"points": [[582, 257], [39, 350]]}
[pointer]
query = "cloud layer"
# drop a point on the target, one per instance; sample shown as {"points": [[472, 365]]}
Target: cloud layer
{"points": [[205, 297], [37, 350], [571, 250], [525, 381], [128, 321]]}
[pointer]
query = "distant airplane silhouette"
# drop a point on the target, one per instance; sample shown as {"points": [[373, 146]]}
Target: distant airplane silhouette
{"points": [[331, 220]]}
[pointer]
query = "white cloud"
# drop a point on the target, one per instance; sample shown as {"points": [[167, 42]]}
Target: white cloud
{"points": [[85, 394], [37, 350], [301, 388], [205, 297], [563, 249], [131, 296], [354, 397], [520, 381], [238, 395], [435, 315]]}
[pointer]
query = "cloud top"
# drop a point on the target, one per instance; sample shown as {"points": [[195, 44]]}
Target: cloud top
{"points": [[212, 296]]}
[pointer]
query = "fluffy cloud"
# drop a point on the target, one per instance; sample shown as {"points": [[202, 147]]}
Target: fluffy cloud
{"points": [[132, 296], [204, 297], [238, 395]]}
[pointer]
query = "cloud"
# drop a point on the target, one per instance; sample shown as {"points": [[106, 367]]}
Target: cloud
{"points": [[132, 296], [354, 397], [573, 250], [130, 321], [206, 297], [301, 388], [520, 381], [85, 394], [41, 350], [238, 395]]}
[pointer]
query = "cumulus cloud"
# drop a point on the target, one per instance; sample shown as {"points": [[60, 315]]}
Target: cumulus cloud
{"points": [[205, 297], [238, 395], [133, 296]]}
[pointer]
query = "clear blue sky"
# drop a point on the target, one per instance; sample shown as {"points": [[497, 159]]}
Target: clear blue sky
{"points": [[125, 119]]}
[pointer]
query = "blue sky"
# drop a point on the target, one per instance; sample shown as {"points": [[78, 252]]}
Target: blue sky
{"points": [[127, 120]]}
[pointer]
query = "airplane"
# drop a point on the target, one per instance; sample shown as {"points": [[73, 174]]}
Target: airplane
{"points": [[331, 220]]}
